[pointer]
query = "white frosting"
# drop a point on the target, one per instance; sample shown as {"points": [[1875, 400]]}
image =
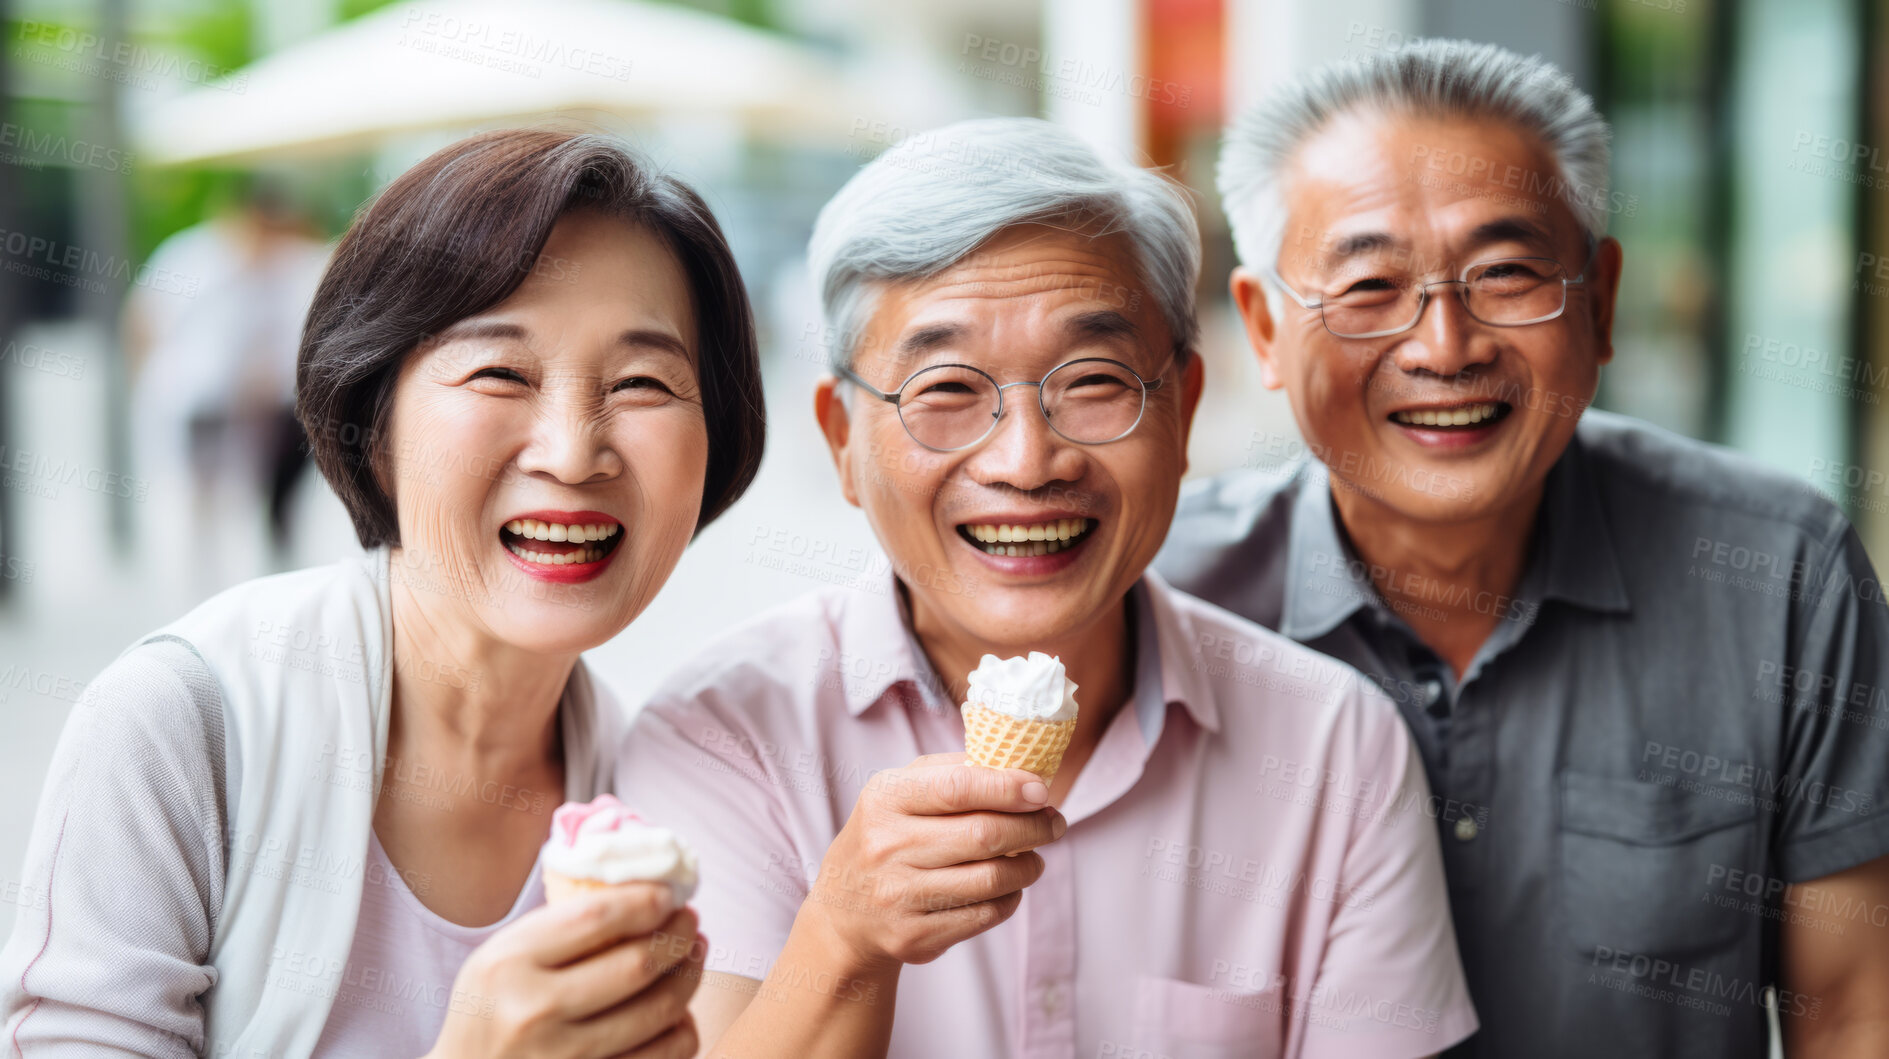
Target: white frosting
{"points": [[1029, 689], [615, 850]]}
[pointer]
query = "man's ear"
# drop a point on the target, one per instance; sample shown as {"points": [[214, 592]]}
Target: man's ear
{"points": [[1603, 285], [1249, 297], [1193, 377], [836, 425]]}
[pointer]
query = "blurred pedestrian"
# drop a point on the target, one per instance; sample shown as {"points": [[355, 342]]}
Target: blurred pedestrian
{"points": [[213, 383]]}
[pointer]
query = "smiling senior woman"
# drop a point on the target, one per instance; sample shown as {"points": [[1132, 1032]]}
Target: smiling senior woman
{"points": [[305, 818]]}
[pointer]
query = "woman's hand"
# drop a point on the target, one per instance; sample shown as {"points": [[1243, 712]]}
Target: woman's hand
{"points": [[606, 973], [933, 853]]}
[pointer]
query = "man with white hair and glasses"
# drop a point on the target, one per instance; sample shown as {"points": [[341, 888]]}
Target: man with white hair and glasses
{"points": [[1647, 676], [1235, 856]]}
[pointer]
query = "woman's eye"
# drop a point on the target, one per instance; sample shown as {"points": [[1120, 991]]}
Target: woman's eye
{"points": [[644, 382], [505, 374]]}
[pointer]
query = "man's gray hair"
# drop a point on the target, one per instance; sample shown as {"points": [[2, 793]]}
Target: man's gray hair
{"points": [[930, 201], [1429, 78]]}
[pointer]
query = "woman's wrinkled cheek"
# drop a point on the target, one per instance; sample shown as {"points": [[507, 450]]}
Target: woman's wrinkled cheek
{"points": [[440, 489], [665, 464], [434, 543]]}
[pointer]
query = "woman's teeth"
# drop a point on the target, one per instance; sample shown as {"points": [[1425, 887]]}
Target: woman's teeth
{"points": [[530, 529], [586, 555], [558, 531], [1043, 538], [1447, 417]]}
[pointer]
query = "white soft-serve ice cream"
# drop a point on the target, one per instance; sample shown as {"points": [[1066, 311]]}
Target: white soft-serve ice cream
{"points": [[602, 843], [1019, 713], [1028, 689]]}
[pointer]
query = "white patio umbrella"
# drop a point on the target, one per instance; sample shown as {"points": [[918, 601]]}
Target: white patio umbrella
{"points": [[438, 64]]}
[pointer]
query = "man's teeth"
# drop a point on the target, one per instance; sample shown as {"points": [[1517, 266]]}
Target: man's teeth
{"points": [[558, 531], [1447, 417], [1043, 538], [582, 555]]}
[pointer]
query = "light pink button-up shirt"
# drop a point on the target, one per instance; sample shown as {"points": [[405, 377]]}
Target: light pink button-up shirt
{"points": [[1251, 865]]}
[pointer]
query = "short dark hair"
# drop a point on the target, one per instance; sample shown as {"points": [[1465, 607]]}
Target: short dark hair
{"points": [[456, 235]]}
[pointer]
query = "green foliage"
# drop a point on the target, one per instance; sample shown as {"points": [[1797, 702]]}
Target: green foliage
{"points": [[347, 9], [160, 202]]}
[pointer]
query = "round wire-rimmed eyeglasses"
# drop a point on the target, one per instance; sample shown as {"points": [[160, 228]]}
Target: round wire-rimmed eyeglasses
{"points": [[1500, 292], [950, 407]]}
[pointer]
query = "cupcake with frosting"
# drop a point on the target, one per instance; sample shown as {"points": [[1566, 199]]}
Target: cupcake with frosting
{"points": [[602, 843]]}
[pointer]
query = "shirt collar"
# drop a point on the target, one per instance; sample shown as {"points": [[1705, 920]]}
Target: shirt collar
{"points": [[1583, 567], [1320, 589], [877, 654], [879, 658], [1575, 559], [1170, 661]]}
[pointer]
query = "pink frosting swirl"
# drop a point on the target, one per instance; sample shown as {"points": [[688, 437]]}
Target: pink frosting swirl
{"points": [[573, 817]]}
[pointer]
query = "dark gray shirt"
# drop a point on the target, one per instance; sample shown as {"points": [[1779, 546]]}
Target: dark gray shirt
{"points": [[1684, 708]]}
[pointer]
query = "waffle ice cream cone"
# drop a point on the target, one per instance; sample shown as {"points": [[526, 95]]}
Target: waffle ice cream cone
{"points": [[1019, 713], [1000, 741]]}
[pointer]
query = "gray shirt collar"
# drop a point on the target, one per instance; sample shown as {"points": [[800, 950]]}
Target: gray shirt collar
{"points": [[1574, 559]]}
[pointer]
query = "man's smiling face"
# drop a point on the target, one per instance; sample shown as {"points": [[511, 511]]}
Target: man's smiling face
{"points": [[1453, 418], [1026, 536]]}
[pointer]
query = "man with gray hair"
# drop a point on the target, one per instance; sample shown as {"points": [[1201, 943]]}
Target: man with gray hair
{"points": [[1234, 855], [1647, 676]]}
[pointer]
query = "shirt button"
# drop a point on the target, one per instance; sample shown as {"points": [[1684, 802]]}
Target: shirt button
{"points": [[1465, 828], [1052, 1000], [1432, 691]]}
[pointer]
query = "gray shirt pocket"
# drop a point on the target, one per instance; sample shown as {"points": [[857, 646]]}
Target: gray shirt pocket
{"points": [[1635, 859]]}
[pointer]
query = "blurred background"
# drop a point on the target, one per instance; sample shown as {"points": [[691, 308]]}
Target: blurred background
{"points": [[173, 172]]}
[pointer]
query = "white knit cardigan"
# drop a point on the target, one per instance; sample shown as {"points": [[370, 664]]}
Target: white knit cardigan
{"points": [[302, 665]]}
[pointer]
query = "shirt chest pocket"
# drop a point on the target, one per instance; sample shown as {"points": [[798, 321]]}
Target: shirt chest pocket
{"points": [[1182, 1020], [1637, 859]]}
